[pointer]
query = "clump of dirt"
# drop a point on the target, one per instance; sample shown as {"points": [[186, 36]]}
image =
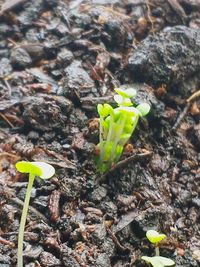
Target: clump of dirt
{"points": [[176, 50]]}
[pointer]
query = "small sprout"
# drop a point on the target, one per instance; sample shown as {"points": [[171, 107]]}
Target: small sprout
{"points": [[120, 100], [42, 170], [130, 92], [117, 125], [154, 237], [144, 109], [158, 261]]}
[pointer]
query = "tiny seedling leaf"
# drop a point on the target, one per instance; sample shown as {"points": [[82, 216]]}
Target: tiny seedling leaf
{"points": [[152, 261], [131, 111], [165, 261], [122, 101], [154, 237], [104, 110], [146, 258], [144, 108], [41, 169], [28, 167], [47, 170], [158, 261], [130, 92], [99, 109], [118, 99]]}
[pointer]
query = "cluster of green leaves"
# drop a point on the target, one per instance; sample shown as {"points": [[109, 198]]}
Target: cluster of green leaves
{"points": [[117, 125], [157, 261]]}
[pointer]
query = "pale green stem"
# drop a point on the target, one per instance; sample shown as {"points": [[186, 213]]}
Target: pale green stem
{"points": [[23, 221], [109, 136], [157, 251], [117, 137], [135, 123], [101, 137], [108, 139], [133, 128]]}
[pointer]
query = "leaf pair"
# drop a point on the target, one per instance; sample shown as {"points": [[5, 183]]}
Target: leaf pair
{"points": [[157, 261]]}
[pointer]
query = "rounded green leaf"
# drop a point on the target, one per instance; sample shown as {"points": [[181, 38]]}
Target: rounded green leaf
{"points": [[158, 261], [28, 167], [128, 129], [107, 109], [165, 261], [131, 111], [41, 169], [118, 99], [99, 109], [130, 92], [47, 170], [147, 259], [104, 110], [144, 108], [122, 101], [127, 102], [154, 237], [116, 114]]}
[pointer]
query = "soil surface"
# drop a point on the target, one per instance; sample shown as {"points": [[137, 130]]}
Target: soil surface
{"points": [[58, 60]]}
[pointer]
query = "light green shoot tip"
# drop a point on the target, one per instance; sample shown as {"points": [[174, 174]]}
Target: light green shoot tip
{"points": [[41, 169], [154, 237], [158, 261], [130, 92], [144, 108]]}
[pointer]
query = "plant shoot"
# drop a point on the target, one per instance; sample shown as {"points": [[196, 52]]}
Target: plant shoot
{"points": [[117, 125], [157, 261], [42, 170]]}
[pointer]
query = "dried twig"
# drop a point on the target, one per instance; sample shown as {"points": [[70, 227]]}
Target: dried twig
{"points": [[174, 4], [5, 119], [189, 101], [181, 116], [194, 96], [149, 15], [117, 243], [130, 159], [123, 163], [8, 87], [11, 4]]}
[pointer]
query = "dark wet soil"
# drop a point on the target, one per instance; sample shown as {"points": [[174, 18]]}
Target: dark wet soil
{"points": [[58, 60]]}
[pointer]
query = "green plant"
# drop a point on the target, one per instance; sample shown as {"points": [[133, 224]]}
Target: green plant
{"points": [[42, 170], [116, 126], [157, 261]]}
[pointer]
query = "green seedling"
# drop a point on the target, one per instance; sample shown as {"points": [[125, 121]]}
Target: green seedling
{"points": [[157, 261], [154, 237], [42, 170], [116, 126]]}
